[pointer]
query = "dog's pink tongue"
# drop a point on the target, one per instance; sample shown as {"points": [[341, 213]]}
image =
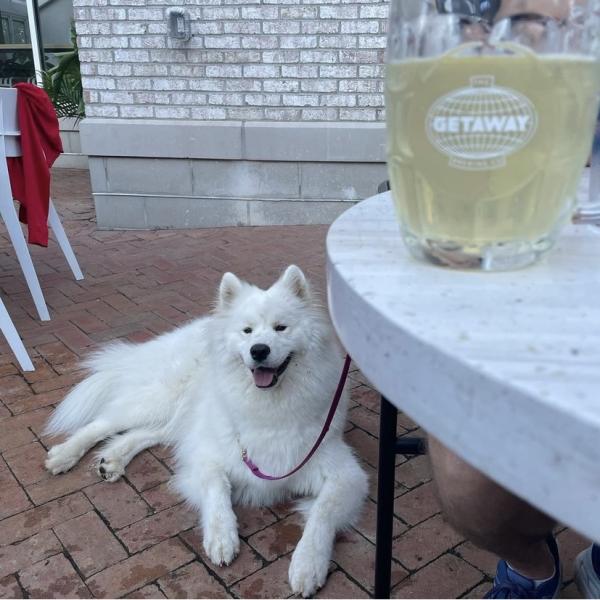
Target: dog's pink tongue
{"points": [[263, 377]]}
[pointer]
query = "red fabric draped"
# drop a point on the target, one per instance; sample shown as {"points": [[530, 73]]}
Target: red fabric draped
{"points": [[30, 173]]}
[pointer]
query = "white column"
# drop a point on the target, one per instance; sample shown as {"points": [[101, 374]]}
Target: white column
{"points": [[35, 47]]}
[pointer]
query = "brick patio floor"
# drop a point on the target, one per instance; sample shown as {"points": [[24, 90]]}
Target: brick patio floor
{"points": [[74, 536]]}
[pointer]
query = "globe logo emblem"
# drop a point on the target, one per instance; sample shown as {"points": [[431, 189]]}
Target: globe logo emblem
{"points": [[480, 125]]}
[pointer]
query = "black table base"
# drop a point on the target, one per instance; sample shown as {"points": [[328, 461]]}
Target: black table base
{"points": [[389, 446]]}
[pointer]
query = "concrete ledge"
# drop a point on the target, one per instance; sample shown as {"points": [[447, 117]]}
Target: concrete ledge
{"points": [[316, 142], [161, 139], [177, 212], [234, 140], [71, 160]]}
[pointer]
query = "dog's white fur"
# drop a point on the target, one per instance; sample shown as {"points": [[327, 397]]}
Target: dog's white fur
{"points": [[193, 388]]}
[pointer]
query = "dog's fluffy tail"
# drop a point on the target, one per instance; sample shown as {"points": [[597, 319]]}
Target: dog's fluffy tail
{"points": [[85, 401]]}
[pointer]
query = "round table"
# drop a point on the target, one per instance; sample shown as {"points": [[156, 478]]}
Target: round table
{"points": [[503, 368]]}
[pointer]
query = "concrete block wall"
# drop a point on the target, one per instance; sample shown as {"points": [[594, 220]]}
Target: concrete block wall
{"points": [[71, 158], [248, 60], [162, 174]]}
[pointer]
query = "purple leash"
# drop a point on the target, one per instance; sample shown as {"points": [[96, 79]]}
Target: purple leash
{"points": [[334, 404]]}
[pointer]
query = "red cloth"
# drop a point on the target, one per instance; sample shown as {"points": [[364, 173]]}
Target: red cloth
{"points": [[30, 173]]}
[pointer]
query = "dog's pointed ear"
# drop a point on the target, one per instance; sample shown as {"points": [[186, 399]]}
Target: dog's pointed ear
{"points": [[293, 279], [229, 288]]}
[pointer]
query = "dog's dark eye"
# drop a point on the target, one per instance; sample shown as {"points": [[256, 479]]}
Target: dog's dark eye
{"points": [[248, 330], [280, 327]]}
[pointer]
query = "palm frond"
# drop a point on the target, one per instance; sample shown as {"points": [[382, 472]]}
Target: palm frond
{"points": [[63, 83]]}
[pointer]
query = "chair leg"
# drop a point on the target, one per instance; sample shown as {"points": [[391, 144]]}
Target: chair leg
{"points": [[11, 220], [61, 237], [385, 498], [14, 341]]}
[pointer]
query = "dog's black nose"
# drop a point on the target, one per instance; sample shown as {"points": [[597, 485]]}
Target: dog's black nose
{"points": [[259, 352]]}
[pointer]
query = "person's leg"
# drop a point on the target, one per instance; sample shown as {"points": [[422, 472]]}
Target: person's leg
{"points": [[490, 516]]}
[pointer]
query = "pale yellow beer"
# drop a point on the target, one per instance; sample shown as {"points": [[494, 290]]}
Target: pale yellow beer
{"points": [[487, 150]]}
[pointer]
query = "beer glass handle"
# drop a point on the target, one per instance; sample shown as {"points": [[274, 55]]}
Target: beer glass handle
{"points": [[589, 214]]}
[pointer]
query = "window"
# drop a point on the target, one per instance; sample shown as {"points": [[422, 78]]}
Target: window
{"points": [[25, 50], [56, 17], [16, 56]]}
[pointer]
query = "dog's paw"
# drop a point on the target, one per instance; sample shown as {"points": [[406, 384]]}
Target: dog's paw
{"points": [[221, 542], [110, 469], [61, 458], [308, 569]]}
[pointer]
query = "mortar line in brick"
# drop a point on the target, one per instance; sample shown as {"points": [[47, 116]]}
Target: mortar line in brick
{"points": [[27, 383], [485, 579], [33, 504], [369, 434], [451, 551], [355, 426], [174, 308], [68, 556], [34, 507], [256, 554], [141, 495], [363, 536], [23, 590], [247, 537], [12, 414], [206, 564], [352, 579], [196, 559], [68, 493], [412, 525], [162, 462], [39, 439], [114, 533], [408, 525], [157, 584], [79, 351]]}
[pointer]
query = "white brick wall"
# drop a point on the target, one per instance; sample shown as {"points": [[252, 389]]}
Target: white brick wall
{"points": [[283, 60]]}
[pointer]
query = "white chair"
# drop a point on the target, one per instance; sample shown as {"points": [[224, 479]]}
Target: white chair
{"points": [[14, 341], [10, 147]]}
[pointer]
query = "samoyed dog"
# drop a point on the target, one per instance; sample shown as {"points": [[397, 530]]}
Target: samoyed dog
{"points": [[254, 378]]}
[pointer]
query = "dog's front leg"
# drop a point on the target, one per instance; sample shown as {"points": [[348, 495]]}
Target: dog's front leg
{"points": [[209, 490], [335, 508]]}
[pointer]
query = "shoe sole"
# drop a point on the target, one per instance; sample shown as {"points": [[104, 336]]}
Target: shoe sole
{"points": [[585, 576]]}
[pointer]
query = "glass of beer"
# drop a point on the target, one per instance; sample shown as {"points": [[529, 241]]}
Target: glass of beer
{"points": [[491, 108]]}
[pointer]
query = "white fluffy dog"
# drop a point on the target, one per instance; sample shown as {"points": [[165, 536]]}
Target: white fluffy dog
{"points": [[258, 375]]}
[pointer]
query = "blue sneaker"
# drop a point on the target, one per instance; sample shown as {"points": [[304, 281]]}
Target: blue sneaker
{"points": [[510, 584], [587, 572]]}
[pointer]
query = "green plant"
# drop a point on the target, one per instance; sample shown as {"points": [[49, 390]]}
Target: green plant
{"points": [[63, 82]]}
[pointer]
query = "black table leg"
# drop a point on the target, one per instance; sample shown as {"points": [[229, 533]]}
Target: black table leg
{"points": [[385, 498]]}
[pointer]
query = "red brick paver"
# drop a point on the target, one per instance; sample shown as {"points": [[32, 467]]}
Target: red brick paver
{"points": [[75, 536], [54, 577]]}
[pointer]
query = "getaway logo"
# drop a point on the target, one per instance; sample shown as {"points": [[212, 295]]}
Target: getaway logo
{"points": [[477, 127]]}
